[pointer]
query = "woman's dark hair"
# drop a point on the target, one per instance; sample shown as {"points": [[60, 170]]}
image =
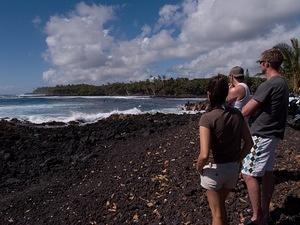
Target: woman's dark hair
{"points": [[218, 89]]}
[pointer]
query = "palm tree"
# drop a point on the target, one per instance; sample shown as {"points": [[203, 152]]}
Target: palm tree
{"points": [[291, 63]]}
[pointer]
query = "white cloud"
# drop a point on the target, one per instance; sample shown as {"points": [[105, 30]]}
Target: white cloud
{"points": [[37, 21], [211, 35], [236, 32], [169, 14], [243, 53], [230, 20]]}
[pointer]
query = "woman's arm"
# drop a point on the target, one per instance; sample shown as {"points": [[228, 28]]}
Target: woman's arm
{"points": [[204, 147], [248, 142]]}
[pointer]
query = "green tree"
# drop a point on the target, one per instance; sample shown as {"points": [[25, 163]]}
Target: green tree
{"points": [[291, 64]]}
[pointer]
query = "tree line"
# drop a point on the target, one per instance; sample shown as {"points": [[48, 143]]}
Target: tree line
{"points": [[156, 87]]}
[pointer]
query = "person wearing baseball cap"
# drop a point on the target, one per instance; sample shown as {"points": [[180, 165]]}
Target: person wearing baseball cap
{"points": [[268, 106], [239, 92]]}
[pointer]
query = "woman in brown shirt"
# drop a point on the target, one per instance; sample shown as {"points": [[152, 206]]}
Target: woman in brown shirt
{"points": [[222, 130]]}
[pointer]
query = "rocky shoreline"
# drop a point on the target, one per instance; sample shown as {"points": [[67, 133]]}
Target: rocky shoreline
{"points": [[122, 170]]}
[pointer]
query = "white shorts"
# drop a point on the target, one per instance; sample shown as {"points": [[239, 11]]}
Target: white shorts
{"points": [[261, 157], [221, 175]]}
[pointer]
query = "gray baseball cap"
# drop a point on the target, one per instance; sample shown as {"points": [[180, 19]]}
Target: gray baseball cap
{"points": [[237, 71]]}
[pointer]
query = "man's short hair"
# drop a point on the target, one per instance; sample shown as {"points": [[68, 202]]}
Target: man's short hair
{"points": [[273, 56]]}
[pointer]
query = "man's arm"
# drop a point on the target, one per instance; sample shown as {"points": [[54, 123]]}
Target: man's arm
{"points": [[235, 93], [250, 108]]}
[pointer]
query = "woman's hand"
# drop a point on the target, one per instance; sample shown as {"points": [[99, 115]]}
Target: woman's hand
{"points": [[199, 165]]}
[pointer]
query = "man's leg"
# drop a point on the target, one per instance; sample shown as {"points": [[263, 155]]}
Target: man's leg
{"points": [[256, 164], [268, 180], [267, 192], [255, 197]]}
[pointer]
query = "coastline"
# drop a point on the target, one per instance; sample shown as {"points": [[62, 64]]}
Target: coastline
{"points": [[122, 170], [137, 95], [87, 109]]}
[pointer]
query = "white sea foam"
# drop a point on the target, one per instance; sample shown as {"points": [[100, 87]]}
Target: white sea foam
{"points": [[60, 110], [94, 117], [97, 116], [35, 106], [77, 116], [30, 95]]}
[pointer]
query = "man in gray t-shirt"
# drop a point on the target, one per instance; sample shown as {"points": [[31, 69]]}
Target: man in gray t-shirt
{"points": [[268, 107], [270, 118]]}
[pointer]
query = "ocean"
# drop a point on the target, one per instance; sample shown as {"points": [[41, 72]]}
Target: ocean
{"points": [[41, 109]]}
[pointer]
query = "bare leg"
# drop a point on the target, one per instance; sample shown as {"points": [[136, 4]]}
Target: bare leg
{"points": [[255, 197], [216, 202], [224, 194], [267, 192]]}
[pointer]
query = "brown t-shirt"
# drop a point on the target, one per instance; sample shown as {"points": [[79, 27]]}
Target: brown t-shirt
{"points": [[226, 133]]}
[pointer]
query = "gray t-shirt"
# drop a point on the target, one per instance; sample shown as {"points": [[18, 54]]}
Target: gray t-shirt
{"points": [[271, 117]]}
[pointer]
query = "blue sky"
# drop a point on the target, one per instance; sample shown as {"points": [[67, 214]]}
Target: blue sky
{"points": [[53, 42]]}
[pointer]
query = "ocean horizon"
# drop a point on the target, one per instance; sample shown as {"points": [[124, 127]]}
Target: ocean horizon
{"points": [[87, 109]]}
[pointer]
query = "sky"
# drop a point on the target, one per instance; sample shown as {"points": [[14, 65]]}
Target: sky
{"points": [[51, 42]]}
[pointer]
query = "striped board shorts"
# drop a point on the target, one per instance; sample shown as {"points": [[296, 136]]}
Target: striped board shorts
{"points": [[261, 157]]}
